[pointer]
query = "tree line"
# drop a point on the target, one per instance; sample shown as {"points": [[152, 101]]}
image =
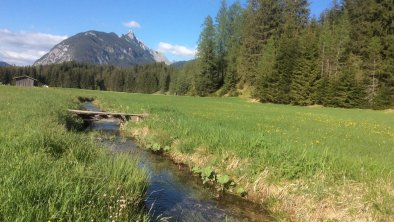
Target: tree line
{"points": [[275, 51], [271, 50], [139, 79]]}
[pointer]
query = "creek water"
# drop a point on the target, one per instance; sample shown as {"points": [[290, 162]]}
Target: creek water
{"points": [[173, 194]]}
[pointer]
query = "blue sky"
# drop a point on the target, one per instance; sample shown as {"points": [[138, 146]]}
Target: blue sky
{"points": [[29, 28]]}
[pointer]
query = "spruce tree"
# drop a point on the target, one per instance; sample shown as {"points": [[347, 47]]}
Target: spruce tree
{"points": [[334, 40], [306, 70], [233, 44], [295, 16], [388, 72], [207, 79], [287, 55], [222, 39], [374, 69], [262, 20], [267, 81], [354, 69], [333, 44]]}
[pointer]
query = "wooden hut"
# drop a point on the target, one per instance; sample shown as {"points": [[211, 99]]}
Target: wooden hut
{"points": [[25, 81]]}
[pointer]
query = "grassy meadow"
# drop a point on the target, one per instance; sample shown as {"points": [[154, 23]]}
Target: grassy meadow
{"points": [[49, 173], [317, 163], [302, 163]]}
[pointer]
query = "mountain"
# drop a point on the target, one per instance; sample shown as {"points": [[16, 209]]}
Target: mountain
{"points": [[3, 64], [182, 64], [102, 48]]}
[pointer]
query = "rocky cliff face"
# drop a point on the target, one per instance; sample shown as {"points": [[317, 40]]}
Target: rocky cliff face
{"points": [[4, 64], [102, 48]]}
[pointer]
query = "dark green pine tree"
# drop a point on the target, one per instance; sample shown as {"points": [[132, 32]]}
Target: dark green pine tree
{"points": [[321, 95], [181, 82], [295, 15], [234, 21], [6, 75], [355, 75], [207, 79], [381, 79], [369, 18], [267, 79], [374, 69], [164, 78], [372, 27], [222, 39], [262, 20], [347, 92], [387, 92], [333, 45], [306, 69], [287, 55]]}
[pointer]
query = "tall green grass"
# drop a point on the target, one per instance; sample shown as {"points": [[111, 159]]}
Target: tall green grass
{"points": [[50, 173], [296, 142], [343, 157], [323, 147]]}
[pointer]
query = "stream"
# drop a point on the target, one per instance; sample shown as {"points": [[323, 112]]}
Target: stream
{"points": [[174, 194]]}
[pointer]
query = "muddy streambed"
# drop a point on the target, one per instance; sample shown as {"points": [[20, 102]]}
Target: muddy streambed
{"points": [[174, 194]]}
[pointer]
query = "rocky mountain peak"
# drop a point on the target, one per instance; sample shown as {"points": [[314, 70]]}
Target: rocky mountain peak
{"points": [[102, 48], [4, 64], [130, 35]]}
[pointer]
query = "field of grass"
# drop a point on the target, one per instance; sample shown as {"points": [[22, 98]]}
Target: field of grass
{"points": [[302, 163], [49, 173], [319, 162]]}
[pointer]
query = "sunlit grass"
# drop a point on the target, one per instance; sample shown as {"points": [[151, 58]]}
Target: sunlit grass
{"points": [[49, 173], [296, 141], [304, 156]]}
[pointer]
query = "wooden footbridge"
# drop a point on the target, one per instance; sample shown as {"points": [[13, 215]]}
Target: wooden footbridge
{"points": [[92, 115]]}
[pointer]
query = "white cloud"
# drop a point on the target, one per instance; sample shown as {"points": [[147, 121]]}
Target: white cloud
{"points": [[164, 47], [132, 24], [23, 48]]}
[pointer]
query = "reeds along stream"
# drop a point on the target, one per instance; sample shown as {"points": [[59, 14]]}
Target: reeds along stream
{"points": [[174, 194]]}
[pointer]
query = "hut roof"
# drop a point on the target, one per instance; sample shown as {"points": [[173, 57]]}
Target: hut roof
{"points": [[23, 77]]}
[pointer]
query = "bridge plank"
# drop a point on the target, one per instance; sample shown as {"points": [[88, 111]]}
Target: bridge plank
{"points": [[93, 113]]}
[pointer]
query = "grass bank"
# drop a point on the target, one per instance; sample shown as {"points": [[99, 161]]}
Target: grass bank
{"points": [[49, 173], [303, 163]]}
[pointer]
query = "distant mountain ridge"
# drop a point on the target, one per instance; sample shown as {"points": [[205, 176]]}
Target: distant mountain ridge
{"points": [[4, 64], [182, 64], [96, 47]]}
